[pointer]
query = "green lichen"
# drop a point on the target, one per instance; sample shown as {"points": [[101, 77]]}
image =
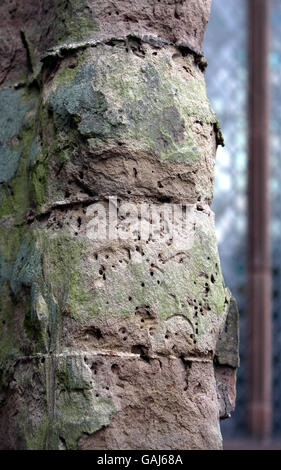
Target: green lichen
{"points": [[37, 438], [62, 259], [167, 292], [19, 149], [75, 411], [116, 96], [33, 324], [82, 413], [8, 328], [11, 123], [73, 21], [39, 180]]}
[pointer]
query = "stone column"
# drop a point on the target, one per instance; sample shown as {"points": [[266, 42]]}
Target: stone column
{"points": [[109, 321], [259, 264]]}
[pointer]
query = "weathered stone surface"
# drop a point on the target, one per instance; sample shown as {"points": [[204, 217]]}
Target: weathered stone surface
{"points": [[227, 347], [37, 26], [169, 19], [150, 112], [170, 419], [227, 361], [110, 342]]}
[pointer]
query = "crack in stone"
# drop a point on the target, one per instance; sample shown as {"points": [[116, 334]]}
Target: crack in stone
{"points": [[110, 353], [157, 41]]}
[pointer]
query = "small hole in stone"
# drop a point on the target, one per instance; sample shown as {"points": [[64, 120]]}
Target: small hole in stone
{"points": [[129, 298], [125, 338], [42, 360], [142, 284], [114, 368]]}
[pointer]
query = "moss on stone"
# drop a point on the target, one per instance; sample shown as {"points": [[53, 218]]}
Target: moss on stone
{"points": [[73, 21], [117, 96], [19, 149], [63, 258]]}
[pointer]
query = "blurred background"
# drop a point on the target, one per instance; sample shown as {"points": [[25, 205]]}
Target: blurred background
{"points": [[227, 50]]}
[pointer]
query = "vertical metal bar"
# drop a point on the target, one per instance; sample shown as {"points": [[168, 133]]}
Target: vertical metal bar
{"points": [[259, 306]]}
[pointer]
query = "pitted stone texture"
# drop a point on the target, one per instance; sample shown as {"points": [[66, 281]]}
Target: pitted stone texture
{"points": [[117, 123], [163, 403], [134, 302], [173, 20], [109, 343], [108, 400], [166, 294], [37, 26]]}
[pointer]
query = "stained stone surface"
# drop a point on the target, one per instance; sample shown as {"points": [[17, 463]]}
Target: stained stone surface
{"points": [[110, 343], [29, 28]]}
